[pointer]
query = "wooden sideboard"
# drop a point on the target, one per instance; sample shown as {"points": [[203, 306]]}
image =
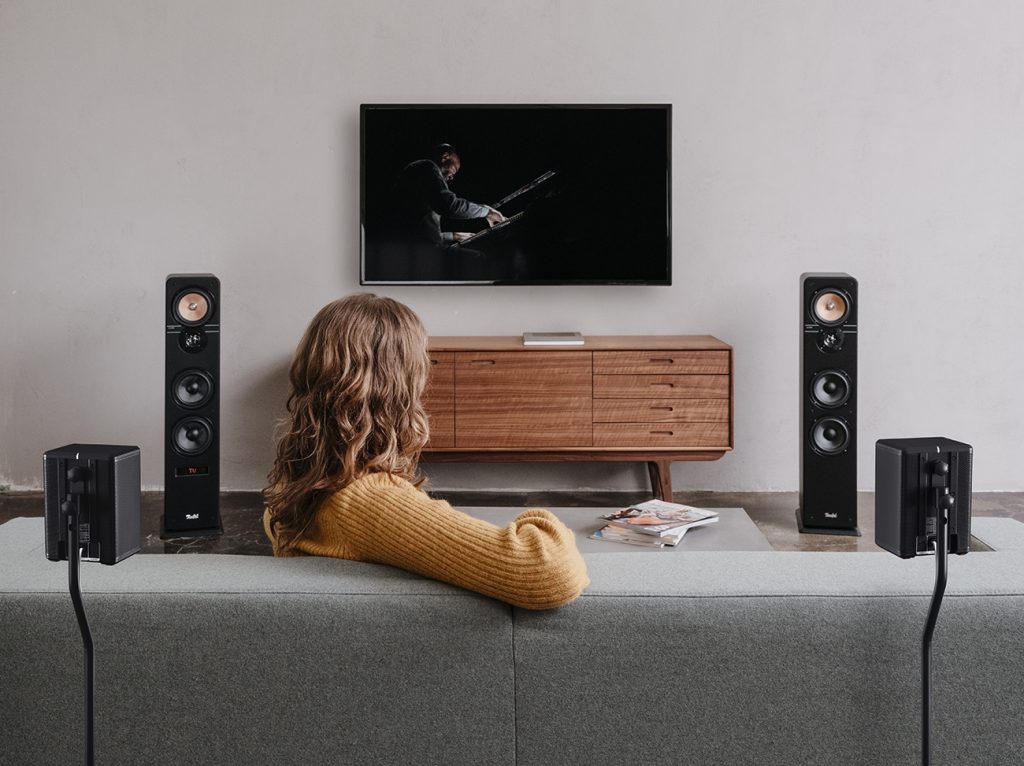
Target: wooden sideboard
{"points": [[650, 398]]}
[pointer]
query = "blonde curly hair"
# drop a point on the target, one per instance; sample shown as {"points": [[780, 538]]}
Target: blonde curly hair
{"points": [[355, 408]]}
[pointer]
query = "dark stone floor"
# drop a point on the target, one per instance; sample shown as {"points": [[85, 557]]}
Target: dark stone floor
{"points": [[772, 512]]}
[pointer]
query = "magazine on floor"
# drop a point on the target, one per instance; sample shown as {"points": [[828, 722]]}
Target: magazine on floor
{"points": [[657, 518]]}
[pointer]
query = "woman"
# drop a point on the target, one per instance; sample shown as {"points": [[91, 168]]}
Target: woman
{"points": [[344, 481]]}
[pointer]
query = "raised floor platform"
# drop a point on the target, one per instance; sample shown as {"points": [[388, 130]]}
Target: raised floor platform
{"points": [[770, 512], [734, 531]]}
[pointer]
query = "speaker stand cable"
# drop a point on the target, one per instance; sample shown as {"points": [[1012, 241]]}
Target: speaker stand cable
{"points": [[73, 507], [943, 505]]}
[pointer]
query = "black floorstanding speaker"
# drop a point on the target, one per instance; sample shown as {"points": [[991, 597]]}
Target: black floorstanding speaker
{"points": [[192, 407], [828, 404]]}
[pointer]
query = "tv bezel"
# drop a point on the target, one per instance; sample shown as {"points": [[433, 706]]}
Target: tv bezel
{"points": [[665, 107]]}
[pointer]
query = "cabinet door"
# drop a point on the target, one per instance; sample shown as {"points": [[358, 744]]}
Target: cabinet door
{"points": [[512, 399], [439, 400]]}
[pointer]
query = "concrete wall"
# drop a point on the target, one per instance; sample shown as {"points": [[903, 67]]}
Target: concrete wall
{"points": [[874, 137]]}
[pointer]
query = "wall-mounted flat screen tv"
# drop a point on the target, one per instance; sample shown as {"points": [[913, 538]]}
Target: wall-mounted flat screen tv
{"points": [[515, 194]]}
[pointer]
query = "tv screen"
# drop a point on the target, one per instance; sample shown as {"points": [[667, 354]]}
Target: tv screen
{"points": [[517, 194]]}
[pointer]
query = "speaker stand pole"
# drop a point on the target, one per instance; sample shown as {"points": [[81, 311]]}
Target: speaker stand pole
{"points": [[941, 551], [74, 569]]}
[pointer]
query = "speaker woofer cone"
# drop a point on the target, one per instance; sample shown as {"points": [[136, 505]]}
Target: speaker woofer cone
{"points": [[192, 306], [830, 388], [830, 436], [192, 388], [192, 436], [830, 307]]}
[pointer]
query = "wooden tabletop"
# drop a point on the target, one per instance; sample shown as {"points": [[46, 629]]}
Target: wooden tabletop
{"points": [[591, 343]]}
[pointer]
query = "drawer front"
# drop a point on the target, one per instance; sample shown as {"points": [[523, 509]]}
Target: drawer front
{"points": [[661, 410], [523, 373], [661, 362], [523, 399], [661, 435], [661, 386], [484, 422], [439, 400]]}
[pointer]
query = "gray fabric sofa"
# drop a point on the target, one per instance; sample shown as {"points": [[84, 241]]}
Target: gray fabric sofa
{"points": [[689, 657]]}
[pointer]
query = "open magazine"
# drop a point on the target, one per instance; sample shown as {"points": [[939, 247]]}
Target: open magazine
{"points": [[659, 518]]}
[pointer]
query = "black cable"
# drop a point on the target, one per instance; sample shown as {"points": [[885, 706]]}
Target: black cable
{"points": [[941, 549], [74, 565]]}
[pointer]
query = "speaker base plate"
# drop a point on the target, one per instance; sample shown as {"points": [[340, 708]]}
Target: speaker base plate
{"points": [[171, 534], [805, 530]]}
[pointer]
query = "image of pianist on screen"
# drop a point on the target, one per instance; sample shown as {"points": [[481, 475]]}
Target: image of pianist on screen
{"points": [[424, 217], [422, 199]]}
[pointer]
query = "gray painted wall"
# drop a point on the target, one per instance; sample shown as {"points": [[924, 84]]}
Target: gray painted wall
{"points": [[879, 138]]}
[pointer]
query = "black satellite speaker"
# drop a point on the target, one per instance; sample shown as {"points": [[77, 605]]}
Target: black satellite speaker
{"points": [[911, 475], [828, 404], [110, 487], [922, 507], [192, 407]]}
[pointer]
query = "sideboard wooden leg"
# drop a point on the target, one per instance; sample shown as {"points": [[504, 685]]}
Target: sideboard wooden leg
{"points": [[661, 478]]}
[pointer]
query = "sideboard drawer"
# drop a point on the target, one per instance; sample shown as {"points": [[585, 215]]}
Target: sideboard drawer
{"points": [[661, 435], [661, 410], [513, 399], [662, 386], [661, 362], [511, 373], [484, 422]]}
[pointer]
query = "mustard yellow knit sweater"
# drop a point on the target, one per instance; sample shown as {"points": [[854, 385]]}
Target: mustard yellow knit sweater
{"points": [[532, 562]]}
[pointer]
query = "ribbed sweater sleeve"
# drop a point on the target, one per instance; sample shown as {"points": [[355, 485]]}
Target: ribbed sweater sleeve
{"points": [[532, 562]]}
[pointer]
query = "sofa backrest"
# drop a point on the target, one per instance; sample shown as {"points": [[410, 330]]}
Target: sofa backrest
{"points": [[247, 659]]}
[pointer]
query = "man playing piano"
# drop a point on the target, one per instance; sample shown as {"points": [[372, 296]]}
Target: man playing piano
{"points": [[422, 198]]}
